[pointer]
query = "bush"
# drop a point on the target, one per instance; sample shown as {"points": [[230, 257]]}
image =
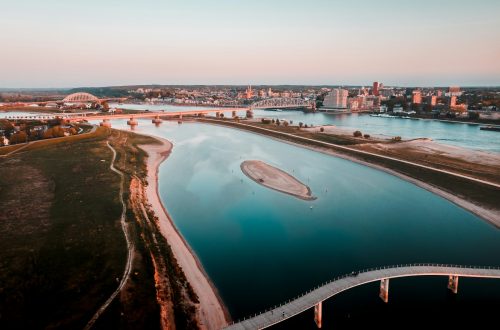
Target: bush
{"points": [[285, 123], [367, 136], [301, 124], [322, 129], [265, 121], [19, 137], [396, 139], [357, 134], [473, 115]]}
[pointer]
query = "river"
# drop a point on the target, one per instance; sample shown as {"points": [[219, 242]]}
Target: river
{"points": [[456, 134], [261, 247]]}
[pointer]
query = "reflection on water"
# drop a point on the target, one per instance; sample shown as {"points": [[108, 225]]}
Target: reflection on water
{"points": [[261, 247]]}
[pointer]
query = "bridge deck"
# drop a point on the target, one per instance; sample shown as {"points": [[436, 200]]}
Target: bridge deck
{"points": [[149, 114], [311, 298]]}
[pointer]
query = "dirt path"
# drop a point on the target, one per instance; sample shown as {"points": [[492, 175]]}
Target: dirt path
{"points": [[130, 246]]}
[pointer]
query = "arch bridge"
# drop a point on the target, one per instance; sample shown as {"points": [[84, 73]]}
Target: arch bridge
{"points": [[283, 103], [315, 297]]}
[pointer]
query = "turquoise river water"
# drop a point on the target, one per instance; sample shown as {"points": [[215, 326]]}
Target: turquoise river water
{"points": [[261, 247]]}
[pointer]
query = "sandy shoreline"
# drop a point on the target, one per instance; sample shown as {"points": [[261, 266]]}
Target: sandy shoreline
{"points": [[276, 179], [212, 313]]}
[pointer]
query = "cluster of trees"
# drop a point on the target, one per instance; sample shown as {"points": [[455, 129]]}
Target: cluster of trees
{"points": [[359, 134], [57, 131]]}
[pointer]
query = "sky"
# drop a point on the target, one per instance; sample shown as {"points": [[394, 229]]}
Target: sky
{"points": [[61, 43]]}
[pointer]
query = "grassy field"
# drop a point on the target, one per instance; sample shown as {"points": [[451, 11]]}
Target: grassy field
{"points": [[62, 248]]}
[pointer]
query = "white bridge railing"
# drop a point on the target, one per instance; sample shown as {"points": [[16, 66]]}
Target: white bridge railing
{"points": [[367, 270]]}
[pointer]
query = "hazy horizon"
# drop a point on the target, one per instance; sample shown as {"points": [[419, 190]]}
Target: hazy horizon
{"points": [[54, 44]]}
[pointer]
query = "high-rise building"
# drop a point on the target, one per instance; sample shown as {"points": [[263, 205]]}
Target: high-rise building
{"points": [[375, 88], [336, 99], [249, 92], [453, 101], [416, 97], [432, 100]]}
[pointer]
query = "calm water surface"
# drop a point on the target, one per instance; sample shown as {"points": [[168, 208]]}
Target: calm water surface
{"points": [[261, 247], [457, 134]]}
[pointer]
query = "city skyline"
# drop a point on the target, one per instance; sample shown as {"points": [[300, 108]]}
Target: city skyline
{"points": [[64, 45]]}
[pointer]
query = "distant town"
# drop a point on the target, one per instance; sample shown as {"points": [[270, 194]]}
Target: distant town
{"points": [[451, 103]]}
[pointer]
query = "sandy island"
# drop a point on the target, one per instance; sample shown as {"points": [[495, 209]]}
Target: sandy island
{"points": [[492, 216], [274, 178], [211, 312]]}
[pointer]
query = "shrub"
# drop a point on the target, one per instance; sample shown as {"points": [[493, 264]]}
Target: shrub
{"points": [[473, 115], [322, 129], [265, 121], [285, 123], [301, 124], [396, 139], [357, 134], [367, 136]]}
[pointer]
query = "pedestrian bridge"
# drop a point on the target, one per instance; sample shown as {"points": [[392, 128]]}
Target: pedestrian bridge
{"points": [[315, 297], [282, 103]]}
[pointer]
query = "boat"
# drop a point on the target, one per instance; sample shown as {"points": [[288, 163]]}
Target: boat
{"points": [[490, 128]]}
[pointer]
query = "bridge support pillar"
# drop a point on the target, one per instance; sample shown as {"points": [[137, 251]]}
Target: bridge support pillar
{"points": [[453, 283], [157, 121], [132, 123], [318, 314], [105, 123], [384, 290]]}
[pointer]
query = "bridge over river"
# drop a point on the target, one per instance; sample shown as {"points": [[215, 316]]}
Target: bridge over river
{"points": [[315, 297]]}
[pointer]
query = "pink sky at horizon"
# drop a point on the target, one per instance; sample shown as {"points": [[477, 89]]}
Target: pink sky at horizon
{"points": [[173, 42]]}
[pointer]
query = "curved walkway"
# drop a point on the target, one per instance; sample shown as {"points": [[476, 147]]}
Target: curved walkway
{"points": [[130, 246], [348, 281]]}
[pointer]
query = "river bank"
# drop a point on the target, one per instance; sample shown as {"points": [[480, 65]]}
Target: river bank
{"points": [[211, 312]]}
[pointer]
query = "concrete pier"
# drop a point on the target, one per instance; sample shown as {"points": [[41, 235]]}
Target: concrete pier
{"points": [[318, 314], [453, 283], [384, 290], [105, 123], [157, 120]]}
